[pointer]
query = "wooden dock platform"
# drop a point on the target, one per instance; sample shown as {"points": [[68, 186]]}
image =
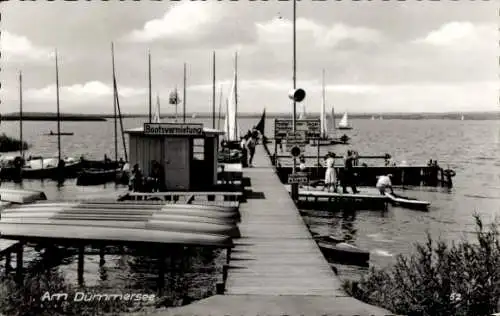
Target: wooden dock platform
{"points": [[276, 268], [315, 198]]}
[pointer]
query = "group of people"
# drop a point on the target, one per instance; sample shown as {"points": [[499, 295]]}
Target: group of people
{"points": [[154, 183], [346, 176], [248, 144]]}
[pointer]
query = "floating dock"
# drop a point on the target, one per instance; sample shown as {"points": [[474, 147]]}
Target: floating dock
{"points": [[276, 268], [314, 198]]}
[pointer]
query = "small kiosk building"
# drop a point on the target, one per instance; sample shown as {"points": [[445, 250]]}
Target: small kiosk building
{"points": [[187, 152]]}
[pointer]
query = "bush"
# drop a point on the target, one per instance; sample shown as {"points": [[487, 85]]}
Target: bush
{"points": [[439, 280], [28, 299], [8, 144]]}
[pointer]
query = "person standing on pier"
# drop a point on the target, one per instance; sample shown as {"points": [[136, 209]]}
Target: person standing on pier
{"points": [[330, 175], [348, 174], [244, 152], [135, 183], [251, 143]]}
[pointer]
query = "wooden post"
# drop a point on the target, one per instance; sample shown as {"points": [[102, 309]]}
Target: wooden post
{"points": [[161, 273], [19, 264], [101, 257], [7, 262], [81, 257], [228, 255]]}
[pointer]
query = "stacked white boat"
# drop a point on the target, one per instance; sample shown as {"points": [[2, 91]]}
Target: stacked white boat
{"points": [[144, 222]]}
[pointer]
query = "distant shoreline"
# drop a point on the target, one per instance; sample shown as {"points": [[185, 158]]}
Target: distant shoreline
{"points": [[47, 116]]}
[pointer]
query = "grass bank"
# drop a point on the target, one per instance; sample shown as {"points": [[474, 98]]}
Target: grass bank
{"points": [[461, 279], [8, 144]]}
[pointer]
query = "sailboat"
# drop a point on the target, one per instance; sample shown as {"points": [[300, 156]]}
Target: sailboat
{"points": [[98, 172], [462, 118], [50, 168], [231, 124], [261, 127], [344, 122], [373, 118], [325, 139]]}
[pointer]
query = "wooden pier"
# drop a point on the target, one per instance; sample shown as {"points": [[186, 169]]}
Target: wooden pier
{"points": [[276, 268]]}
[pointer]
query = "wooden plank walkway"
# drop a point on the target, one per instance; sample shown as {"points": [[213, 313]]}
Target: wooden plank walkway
{"points": [[276, 254], [276, 268]]}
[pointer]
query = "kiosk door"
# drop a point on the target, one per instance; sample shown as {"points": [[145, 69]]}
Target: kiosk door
{"points": [[176, 162]]}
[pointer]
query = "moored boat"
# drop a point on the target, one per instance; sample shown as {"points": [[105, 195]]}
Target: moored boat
{"points": [[344, 253], [97, 176]]}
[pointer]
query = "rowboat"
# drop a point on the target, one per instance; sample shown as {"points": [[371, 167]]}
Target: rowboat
{"points": [[407, 202], [344, 253]]}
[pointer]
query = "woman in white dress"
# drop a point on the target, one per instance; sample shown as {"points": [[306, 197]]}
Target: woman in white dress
{"points": [[330, 175]]}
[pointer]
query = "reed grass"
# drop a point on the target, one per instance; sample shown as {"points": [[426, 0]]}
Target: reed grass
{"points": [[439, 279], [8, 144]]}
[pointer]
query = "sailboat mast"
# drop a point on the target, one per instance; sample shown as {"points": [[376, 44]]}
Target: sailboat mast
{"points": [[184, 96], [58, 113], [213, 90], [323, 122], [149, 84], [220, 107], [117, 100], [236, 93], [114, 102], [120, 115], [21, 149]]}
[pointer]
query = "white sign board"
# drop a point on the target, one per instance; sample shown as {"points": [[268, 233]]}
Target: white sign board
{"points": [[173, 129], [299, 177]]}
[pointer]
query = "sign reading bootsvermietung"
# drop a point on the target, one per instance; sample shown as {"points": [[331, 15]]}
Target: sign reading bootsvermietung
{"points": [[173, 129]]}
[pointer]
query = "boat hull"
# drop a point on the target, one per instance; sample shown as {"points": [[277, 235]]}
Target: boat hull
{"points": [[346, 255], [97, 176], [69, 171]]}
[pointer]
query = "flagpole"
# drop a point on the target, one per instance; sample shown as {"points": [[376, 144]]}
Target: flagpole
{"points": [[184, 97], [149, 84], [213, 91]]}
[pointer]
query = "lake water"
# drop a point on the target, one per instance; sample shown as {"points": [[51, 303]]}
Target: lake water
{"points": [[471, 148]]}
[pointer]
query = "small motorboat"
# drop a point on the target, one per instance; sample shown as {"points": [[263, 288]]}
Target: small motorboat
{"points": [[344, 253]]}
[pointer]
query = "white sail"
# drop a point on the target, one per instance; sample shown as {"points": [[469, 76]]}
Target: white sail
{"points": [[344, 122], [156, 116], [302, 115], [323, 122], [231, 126]]}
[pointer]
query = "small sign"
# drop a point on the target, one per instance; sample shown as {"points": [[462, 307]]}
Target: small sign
{"points": [[174, 129], [312, 128], [299, 177]]}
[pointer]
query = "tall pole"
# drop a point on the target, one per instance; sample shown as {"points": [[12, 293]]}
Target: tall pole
{"points": [[213, 90], [58, 113], [184, 96], [236, 93], [114, 101], [294, 67], [149, 81], [220, 108], [21, 149], [295, 186]]}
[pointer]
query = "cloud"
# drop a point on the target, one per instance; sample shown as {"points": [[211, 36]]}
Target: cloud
{"points": [[279, 30], [81, 93], [20, 48], [193, 24], [183, 20], [462, 34]]}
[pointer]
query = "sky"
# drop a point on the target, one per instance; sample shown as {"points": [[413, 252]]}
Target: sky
{"points": [[418, 56]]}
